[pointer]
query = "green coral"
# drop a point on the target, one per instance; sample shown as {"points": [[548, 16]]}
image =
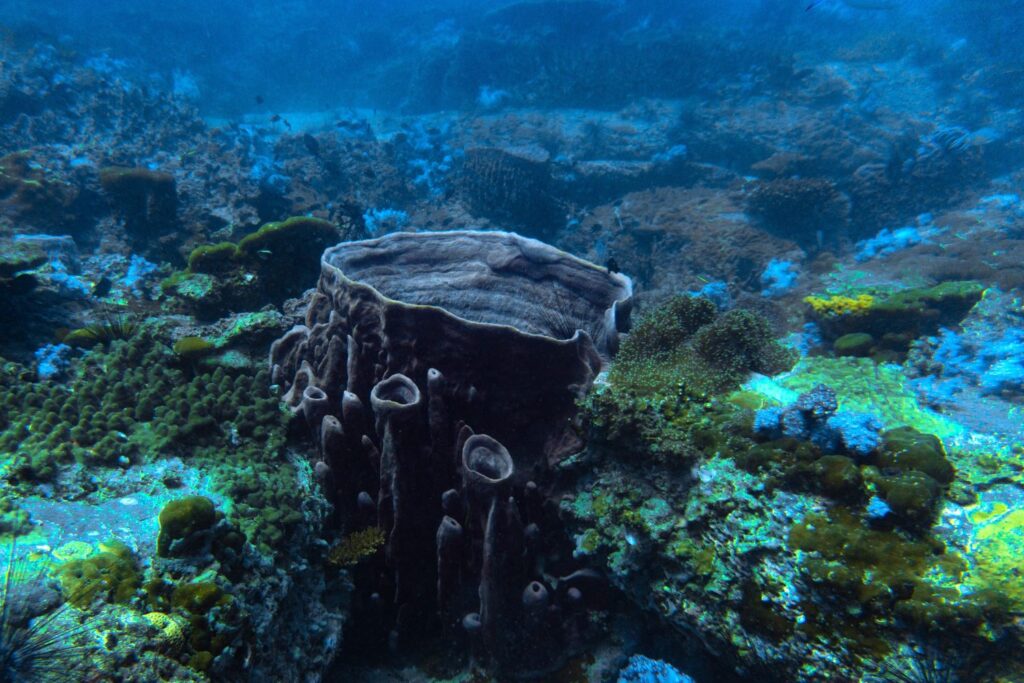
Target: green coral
{"points": [[686, 343], [295, 239], [181, 518], [13, 520], [110, 575], [875, 579], [905, 449], [213, 258], [209, 610], [198, 598], [913, 497], [660, 402]]}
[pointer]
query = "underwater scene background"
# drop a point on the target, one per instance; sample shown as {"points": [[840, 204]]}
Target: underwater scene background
{"points": [[650, 341]]}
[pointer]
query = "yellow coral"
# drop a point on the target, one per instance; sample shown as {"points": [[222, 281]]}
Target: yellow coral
{"points": [[73, 550], [171, 627], [838, 306]]}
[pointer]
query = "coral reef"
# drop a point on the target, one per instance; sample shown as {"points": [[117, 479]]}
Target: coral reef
{"points": [[478, 470]]}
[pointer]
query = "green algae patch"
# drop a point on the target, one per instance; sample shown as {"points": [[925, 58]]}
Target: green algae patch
{"points": [[865, 386], [881, 579], [996, 552]]}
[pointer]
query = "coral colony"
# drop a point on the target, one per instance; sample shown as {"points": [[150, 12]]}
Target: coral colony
{"points": [[527, 341]]}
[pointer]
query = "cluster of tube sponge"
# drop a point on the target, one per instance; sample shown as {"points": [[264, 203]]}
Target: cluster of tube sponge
{"points": [[454, 504]]}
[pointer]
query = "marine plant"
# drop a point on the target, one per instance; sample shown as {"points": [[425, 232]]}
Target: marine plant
{"points": [[356, 547], [109, 326]]}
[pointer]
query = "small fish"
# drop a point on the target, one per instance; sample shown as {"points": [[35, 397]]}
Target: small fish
{"points": [[311, 144], [259, 99], [275, 118], [264, 254], [859, 4], [102, 287], [612, 266]]}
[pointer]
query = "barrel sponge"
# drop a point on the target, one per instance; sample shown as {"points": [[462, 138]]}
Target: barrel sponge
{"points": [[518, 328]]}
